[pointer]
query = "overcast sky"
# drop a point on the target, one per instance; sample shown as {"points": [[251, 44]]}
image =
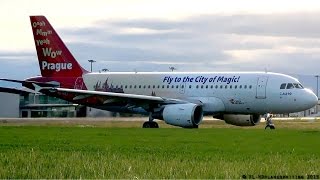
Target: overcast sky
{"points": [[228, 35]]}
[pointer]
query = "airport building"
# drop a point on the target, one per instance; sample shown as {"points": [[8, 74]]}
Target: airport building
{"points": [[9, 105], [38, 105], [33, 105]]}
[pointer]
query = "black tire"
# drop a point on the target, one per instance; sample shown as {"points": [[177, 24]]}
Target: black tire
{"points": [[272, 127], [147, 125], [154, 125], [192, 127]]}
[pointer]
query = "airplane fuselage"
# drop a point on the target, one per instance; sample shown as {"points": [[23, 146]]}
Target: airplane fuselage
{"points": [[243, 92]]}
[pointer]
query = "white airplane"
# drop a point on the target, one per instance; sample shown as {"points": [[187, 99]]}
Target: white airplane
{"points": [[178, 98]]}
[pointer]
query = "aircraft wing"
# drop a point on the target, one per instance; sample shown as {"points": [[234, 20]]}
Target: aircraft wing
{"points": [[106, 98]]}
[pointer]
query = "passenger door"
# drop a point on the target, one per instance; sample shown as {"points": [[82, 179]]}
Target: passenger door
{"points": [[261, 87]]}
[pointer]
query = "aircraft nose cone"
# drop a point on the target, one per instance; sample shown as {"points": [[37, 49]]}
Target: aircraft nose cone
{"points": [[315, 99], [311, 99]]}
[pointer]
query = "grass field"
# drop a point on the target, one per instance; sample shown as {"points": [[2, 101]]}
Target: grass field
{"points": [[119, 150]]}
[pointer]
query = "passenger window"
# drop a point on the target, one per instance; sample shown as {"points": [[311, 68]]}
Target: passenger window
{"points": [[158, 86], [201, 86], [221, 86], [162, 86], [130, 86], [197, 86], [190, 86], [245, 86], [240, 86], [182, 86], [154, 86], [135, 86], [125, 86], [211, 86], [283, 86], [235, 86], [250, 87], [216, 86], [290, 86], [177, 86], [206, 86], [226, 86], [230, 86], [139, 86], [172, 86], [149, 86], [168, 86]]}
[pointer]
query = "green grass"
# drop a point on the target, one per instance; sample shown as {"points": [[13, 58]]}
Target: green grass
{"points": [[96, 152]]}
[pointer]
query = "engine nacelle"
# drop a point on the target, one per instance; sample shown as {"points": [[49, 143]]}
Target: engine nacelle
{"points": [[241, 119], [184, 115]]}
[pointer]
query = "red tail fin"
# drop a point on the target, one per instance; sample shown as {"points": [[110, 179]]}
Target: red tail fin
{"points": [[55, 60]]}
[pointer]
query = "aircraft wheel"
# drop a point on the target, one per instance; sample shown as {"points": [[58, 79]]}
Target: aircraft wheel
{"points": [[272, 127], [192, 127], [151, 124], [154, 125], [146, 125]]}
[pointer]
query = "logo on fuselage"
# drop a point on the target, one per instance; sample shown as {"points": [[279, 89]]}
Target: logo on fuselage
{"points": [[55, 66]]}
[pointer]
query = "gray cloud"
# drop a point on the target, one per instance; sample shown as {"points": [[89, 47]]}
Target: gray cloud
{"points": [[201, 43], [290, 24], [8, 56]]}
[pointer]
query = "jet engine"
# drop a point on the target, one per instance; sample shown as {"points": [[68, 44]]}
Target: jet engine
{"points": [[184, 115], [241, 119]]}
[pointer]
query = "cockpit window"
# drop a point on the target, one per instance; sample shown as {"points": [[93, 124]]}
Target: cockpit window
{"points": [[298, 86], [290, 86], [283, 86]]}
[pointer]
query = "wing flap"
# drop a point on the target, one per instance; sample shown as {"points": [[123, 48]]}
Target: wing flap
{"points": [[111, 97], [110, 94]]}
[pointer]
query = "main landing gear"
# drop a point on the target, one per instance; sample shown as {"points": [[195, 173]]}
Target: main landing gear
{"points": [[150, 123]]}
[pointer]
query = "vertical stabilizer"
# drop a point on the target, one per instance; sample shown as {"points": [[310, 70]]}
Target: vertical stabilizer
{"points": [[55, 60]]}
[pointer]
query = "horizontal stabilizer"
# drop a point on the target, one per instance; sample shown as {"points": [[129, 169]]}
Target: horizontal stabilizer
{"points": [[13, 91], [41, 84]]}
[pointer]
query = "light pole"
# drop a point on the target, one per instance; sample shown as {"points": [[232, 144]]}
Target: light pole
{"points": [[91, 61], [317, 76]]}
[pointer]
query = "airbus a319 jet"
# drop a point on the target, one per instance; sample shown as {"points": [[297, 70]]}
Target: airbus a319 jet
{"points": [[178, 98]]}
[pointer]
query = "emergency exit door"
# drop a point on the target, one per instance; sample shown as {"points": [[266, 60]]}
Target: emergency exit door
{"points": [[182, 88]]}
